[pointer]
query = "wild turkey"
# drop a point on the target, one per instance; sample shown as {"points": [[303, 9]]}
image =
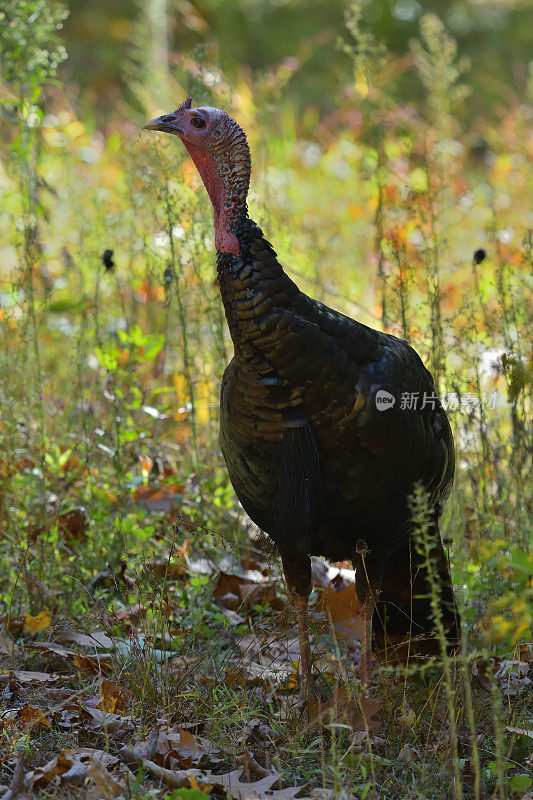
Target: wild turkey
{"points": [[316, 461]]}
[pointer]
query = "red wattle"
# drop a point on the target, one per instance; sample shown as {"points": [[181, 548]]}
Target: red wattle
{"points": [[225, 241]]}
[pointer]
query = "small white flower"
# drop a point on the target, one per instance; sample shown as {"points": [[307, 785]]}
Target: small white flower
{"points": [[505, 235], [162, 239]]}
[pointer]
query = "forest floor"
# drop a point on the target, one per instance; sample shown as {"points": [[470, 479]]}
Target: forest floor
{"points": [[190, 687]]}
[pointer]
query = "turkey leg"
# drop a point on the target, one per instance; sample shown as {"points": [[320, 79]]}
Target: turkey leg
{"points": [[302, 623], [297, 569]]}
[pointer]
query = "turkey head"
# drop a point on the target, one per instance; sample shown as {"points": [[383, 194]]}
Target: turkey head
{"points": [[220, 151]]}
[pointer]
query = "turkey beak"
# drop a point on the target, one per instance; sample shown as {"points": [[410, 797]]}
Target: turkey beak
{"points": [[168, 123]]}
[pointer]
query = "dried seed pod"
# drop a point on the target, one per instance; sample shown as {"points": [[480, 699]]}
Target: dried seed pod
{"points": [[480, 255], [107, 259]]}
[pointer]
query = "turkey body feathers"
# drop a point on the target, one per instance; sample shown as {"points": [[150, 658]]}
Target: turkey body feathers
{"points": [[315, 463]]}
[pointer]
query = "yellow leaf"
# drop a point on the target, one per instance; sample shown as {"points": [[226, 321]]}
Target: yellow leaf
{"points": [[37, 623], [34, 717], [74, 129], [361, 83], [113, 698], [356, 212], [180, 384], [123, 357]]}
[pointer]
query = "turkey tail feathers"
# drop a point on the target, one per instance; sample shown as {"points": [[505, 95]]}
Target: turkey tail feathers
{"points": [[405, 623], [297, 490]]}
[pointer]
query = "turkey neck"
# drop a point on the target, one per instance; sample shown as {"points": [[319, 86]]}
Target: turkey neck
{"points": [[253, 287]]}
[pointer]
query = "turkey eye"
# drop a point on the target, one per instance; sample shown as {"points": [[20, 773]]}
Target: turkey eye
{"points": [[198, 122]]}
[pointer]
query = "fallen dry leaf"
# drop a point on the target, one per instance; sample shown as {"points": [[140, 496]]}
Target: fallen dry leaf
{"points": [[111, 578], [510, 675], [96, 639], [113, 724], [164, 568], [248, 562], [12, 624], [342, 708], [114, 698], [320, 573], [253, 674], [524, 652], [234, 592], [126, 617], [77, 774], [16, 789], [178, 748], [244, 790], [258, 790], [249, 645], [282, 650], [174, 779], [40, 622], [33, 717], [105, 785], [70, 765], [159, 498], [93, 665], [339, 602], [52, 647], [283, 794], [252, 766], [73, 525], [519, 731], [7, 645], [25, 676], [68, 716], [406, 754], [513, 676], [233, 618]]}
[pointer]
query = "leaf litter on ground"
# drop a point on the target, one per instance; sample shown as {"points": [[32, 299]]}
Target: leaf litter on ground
{"points": [[181, 759], [69, 766], [512, 676]]}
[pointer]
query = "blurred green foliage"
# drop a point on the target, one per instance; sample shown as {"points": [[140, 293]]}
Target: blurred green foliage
{"points": [[256, 35], [31, 48]]}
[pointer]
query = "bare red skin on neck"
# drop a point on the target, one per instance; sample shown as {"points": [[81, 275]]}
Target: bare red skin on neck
{"points": [[225, 241]]}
